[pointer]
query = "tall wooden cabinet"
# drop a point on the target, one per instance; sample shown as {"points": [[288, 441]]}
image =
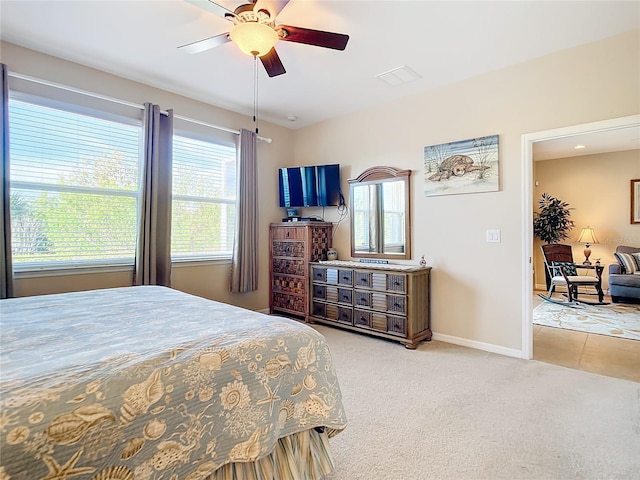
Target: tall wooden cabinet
{"points": [[292, 246], [390, 301]]}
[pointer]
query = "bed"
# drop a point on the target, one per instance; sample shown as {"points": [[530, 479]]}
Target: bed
{"points": [[150, 383]]}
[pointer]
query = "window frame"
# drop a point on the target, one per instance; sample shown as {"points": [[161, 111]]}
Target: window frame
{"points": [[198, 258], [57, 267]]}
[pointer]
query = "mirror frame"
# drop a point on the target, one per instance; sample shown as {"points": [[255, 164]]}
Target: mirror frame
{"points": [[379, 175]]}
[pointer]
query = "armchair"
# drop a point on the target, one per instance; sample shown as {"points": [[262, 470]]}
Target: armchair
{"points": [[558, 260]]}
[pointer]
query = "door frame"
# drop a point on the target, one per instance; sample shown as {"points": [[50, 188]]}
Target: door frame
{"points": [[528, 140]]}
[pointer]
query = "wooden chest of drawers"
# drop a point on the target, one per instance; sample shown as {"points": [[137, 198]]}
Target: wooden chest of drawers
{"points": [[292, 246], [385, 301]]}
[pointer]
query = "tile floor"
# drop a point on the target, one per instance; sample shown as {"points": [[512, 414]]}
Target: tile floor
{"points": [[602, 354]]}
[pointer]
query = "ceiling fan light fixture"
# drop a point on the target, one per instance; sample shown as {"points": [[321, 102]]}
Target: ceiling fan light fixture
{"points": [[254, 38]]}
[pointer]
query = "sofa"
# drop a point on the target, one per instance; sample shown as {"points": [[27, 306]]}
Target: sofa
{"points": [[624, 276]]}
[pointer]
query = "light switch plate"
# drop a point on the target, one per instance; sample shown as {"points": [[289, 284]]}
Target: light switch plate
{"points": [[493, 236]]}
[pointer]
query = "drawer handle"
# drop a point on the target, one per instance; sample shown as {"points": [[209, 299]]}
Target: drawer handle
{"points": [[345, 278], [288, 233], [397, 284], [397, 305], [345, 297]]}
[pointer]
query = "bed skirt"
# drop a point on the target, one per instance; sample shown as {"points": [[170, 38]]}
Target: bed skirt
{"points": [[301, 456]]}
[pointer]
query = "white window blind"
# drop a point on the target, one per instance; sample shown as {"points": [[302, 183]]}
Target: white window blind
{"points": [[74, 187], [204, 199]]}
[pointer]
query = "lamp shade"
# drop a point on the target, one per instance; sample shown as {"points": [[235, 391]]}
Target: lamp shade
{"points": [[587, 235], [253, 38]]}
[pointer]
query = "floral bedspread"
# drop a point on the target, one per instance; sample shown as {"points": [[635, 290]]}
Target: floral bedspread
{"points": [[152, 383]]}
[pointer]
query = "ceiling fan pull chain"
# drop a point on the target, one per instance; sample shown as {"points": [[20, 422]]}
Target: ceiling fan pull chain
{"points": [[255, 92]]}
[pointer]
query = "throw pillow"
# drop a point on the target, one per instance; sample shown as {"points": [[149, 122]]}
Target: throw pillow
{"points": [[627, 261], [569, 268], [636, 257]]}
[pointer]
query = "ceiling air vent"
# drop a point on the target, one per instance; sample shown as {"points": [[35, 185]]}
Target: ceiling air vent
{"points": [[398, 76]]}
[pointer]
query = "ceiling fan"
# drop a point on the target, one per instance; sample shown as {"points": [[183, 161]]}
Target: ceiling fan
{"points": [[255, 32]]}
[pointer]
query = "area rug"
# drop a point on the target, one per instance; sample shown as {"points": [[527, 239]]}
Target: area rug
{"points": [[616, 320]]}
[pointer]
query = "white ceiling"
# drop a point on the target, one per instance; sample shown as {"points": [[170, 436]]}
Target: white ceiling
{"points": [[443, 42], [605, 141]]}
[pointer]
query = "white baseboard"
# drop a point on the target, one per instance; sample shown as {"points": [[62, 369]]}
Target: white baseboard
{"points": [[487, 347], [264, 310]]}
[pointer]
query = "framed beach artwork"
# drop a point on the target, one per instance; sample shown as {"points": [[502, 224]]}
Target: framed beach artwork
{"points": [[465, 166], [635, 200]]}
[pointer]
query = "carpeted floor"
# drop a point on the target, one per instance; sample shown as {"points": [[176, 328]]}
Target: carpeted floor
{"points": [[617, 320], [449, 412]]}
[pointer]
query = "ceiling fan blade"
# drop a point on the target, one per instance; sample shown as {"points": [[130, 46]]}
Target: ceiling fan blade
{"points": [[212, 7], [337, 41], [206, 44], [272, 63], [274, 7]]}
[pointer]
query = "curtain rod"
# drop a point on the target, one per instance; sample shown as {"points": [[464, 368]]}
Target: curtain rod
{"points": [[125, 102]]}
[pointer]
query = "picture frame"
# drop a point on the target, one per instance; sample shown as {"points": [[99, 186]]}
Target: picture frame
{"points": [[635, 201], [464, 166]]}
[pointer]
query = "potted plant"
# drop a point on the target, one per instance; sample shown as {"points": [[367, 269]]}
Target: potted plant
{"points": [[553, 222]]}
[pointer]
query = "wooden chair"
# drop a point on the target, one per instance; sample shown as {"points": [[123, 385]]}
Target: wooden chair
{"points": [[558, 260]]}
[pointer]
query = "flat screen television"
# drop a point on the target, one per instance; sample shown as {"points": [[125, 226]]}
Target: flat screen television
{"points": [[310, 186]]}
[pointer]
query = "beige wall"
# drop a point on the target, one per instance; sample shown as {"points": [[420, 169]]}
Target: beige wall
{"points": [[597, 187], [477, 286], [210, 281]]}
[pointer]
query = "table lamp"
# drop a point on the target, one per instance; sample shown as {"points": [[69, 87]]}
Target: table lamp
{"points": [[587, 236]]}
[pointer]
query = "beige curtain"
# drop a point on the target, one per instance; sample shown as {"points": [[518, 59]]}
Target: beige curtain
{"points": [[6, 276], [153, 250], [244, 264]]}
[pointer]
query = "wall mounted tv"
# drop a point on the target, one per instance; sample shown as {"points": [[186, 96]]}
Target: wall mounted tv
{"points": [[311, 186]]}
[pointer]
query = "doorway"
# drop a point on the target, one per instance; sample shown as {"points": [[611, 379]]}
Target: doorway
{"points": [[528, 140]]}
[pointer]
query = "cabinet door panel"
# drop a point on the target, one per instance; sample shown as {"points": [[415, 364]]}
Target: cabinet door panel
{"points": [[295, 303], [319, 274], [379, 321], [345, 315], [289, 266], [397, 325], [320, 292], [396, 283], [362, 299], [362, 279], [362, 318], [397, 304], [345, 296], [379, 302], [345, 277], [319, 309], [379, 281], [332, 294], [288, 233], [288, 284], [288, 249], [331, 312]]}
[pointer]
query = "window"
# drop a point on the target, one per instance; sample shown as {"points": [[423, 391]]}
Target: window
{"points": [[204, 199], [393, 211], [74, 187]]}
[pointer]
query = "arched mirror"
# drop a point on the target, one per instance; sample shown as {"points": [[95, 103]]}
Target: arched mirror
{"points": [[380, 220]]}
